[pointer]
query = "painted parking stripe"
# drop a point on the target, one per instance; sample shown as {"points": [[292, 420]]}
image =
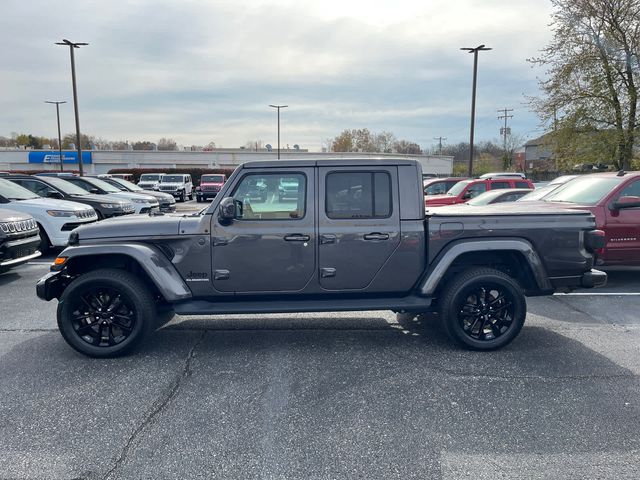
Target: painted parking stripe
{"points": [[601, 294], [40, 263]]}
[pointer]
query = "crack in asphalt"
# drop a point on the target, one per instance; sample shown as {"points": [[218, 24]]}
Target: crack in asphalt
{"points": [[160, 405]]}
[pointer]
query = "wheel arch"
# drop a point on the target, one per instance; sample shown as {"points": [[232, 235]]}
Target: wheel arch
{"points": [[145, 261], [514, 256]]}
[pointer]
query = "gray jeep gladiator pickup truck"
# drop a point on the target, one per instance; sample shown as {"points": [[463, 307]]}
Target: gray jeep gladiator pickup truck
{"points": [[351, 235]]}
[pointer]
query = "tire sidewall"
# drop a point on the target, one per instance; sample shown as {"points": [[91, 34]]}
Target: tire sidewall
{"points": [[137, 299], [452, 323]]}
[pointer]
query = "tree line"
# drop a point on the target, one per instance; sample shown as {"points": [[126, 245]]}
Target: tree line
{"points": [[88, 142]]}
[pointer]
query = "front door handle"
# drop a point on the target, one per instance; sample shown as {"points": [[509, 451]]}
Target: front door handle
{"points": [[297, 237], [377, 236]]}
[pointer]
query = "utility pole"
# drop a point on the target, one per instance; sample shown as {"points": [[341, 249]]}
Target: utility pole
{"points": [[505, 130], [57, 104], [475, 51], [73, 46], [279, 107], [440, 139]]}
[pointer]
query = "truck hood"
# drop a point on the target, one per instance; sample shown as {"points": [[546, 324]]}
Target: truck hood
{"points": [[96, 198], [46, 203], [211, 184], [132, 226], [7, 215], [130, 196]]}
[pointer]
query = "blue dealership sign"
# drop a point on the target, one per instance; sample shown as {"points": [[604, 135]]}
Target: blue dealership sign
{"points": [[54, 157]]}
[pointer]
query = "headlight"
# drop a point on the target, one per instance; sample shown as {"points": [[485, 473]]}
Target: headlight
{"points": [[61, 213], [108, 205]]}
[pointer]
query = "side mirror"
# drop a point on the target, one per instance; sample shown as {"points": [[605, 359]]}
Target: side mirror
{"points": [[227, 210], [626, 202], [467, 196], [53, 194], [94, 190]]}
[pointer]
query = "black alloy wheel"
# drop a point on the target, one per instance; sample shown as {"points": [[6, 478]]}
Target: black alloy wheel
{"points": [[106, 313], [483, 308]]}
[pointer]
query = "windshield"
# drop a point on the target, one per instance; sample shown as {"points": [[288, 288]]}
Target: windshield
{"points": [[212, 178], [538, 193], [126, 184], [66, 187], [101, 184], [172, 179], [149, 178], [11, 191], [458, 188], [584, 191]]}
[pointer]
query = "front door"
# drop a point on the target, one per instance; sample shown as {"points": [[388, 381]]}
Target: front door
{"points": [[623, 228], [359, 228], [270, 245]]}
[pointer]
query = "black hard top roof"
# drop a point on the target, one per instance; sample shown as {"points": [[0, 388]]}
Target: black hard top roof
{"points": [[330, 162]]}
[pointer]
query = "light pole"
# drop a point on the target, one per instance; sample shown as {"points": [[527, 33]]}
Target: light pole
{"points": [[473, 99], [57, 104], [72, 46], [279, 107]]}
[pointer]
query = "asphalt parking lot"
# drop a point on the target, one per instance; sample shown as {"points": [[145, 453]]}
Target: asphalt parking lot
{"points": [[358, 395]]}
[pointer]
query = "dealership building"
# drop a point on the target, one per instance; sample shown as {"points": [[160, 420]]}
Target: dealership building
{"points": [[101, 161]]}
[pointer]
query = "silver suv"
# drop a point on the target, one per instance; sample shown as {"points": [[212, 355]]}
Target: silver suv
{"points": [[178, 184]]}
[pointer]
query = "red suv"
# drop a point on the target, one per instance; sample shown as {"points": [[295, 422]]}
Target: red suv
{"points": [[468, 189], [210, 185], [439, 186], [614, 199]]}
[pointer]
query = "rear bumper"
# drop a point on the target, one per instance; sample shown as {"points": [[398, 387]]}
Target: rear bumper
{"points": [[594, 278]]}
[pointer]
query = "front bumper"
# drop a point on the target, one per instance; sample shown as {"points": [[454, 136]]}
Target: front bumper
{"points": [[15, 252], [167, 207], [50, 286]]}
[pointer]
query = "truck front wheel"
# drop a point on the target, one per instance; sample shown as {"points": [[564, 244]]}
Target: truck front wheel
{"points": [[106, 313], [483, 309]]}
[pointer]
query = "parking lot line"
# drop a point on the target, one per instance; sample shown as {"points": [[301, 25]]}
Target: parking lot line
{"points": [[601, 294]]}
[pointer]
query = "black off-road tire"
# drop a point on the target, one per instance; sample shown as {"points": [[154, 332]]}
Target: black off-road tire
{"points": [[136, 303], [482, 309], [199, 199], [182, 196], [45, 243], [191, 196]]}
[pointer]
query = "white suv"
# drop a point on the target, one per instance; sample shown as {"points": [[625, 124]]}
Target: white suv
{"points": [[150, 181], [56, 218], [177, 184]]}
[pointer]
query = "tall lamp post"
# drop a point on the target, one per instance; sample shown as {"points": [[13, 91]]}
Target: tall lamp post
{"points": [[279, 107], [473, 99], [57, 104], [73, 46]]}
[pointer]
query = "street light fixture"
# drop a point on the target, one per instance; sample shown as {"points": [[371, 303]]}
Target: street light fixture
{"points": [[473, 99], [279, 107], [73, 46], [57, 104]]}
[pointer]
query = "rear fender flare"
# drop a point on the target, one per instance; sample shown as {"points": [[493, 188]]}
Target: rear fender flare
{"points": [[438, 269]]}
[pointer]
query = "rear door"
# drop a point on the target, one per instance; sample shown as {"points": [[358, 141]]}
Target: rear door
{"points": [[358, 224]]}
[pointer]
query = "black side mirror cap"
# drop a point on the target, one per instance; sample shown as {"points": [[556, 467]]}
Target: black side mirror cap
{"points": [[94, 190], [54, 195], [227, 210]]}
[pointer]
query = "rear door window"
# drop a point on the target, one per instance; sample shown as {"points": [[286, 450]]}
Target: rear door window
{"points": [[522, 185], [496, 185], [358, 195]]}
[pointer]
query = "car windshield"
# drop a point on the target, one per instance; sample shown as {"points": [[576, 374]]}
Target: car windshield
{"points": [[172, 179], [212, 178], [458, 188], [587, 190], [125, 184], [66, 187], [149, 178], [538, 193], [101, 184], [486, 198], [11, 191]]}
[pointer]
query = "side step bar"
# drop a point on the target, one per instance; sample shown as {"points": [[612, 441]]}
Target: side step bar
{"points": [[205, 307]]}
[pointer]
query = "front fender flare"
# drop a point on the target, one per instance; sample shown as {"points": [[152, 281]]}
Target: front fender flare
{"points": [[156, 265], [443, 261]]}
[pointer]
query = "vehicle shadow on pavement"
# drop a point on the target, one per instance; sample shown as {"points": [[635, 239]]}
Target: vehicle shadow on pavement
{"points": [[8, 277]]}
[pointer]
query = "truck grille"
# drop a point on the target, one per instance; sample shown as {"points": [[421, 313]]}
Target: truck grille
{"points": [[19, 226], [86, 214], [167, 188], [210, 188]]}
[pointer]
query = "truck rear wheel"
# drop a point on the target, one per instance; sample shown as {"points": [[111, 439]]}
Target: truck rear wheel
{"points": [[106, 313], [483, 309]]}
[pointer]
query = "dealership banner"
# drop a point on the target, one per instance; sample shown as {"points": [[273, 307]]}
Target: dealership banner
{"points": [[54, 157]]}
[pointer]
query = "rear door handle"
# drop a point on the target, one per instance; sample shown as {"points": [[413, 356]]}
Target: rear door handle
{"points": [[296, 237], [377, 236], [327, 238]]}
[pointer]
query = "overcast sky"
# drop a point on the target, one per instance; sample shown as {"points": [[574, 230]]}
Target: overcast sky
{"points": [[201, 71]]}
